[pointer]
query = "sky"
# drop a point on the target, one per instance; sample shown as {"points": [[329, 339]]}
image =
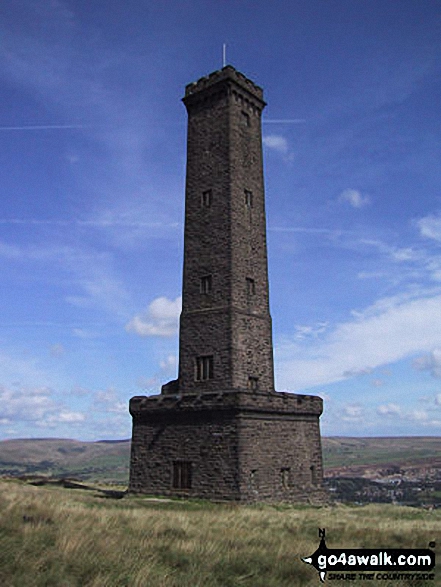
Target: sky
{"points": [[93, 148]]}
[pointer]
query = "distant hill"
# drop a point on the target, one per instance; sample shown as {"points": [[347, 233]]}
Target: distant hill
{"points": [[92, 461], [108, 461], [364, 456]]}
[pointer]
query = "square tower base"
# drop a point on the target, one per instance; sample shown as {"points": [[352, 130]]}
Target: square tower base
{"points": [[231, 445]]}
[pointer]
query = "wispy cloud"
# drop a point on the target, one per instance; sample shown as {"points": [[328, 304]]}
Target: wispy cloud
{"points": [[167, 370], [93, 279], [276, 142], [430, 362], [419, 416], [44, 127], [353, 413], [123, 231], [381, 335], [330, 232], [354, 198], [430, 227], [284, 121]]}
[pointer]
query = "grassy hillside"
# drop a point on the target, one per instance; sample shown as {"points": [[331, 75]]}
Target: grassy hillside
{"points": [[52, 537], [90, 461], [109, 461], [404, 450]]}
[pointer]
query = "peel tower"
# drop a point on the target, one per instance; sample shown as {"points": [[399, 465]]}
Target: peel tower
{"points": [[220, 430]]}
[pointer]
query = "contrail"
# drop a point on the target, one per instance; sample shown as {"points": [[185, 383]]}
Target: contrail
{"points": [[44, 127], [89, 223], [284, 121], [305, 230]]}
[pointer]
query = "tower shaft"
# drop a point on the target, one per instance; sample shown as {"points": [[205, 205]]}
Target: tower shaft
{"points": [[225, 328]]}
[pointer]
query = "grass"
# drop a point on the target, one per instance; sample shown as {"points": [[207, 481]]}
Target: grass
{"points": [[53, 537]]}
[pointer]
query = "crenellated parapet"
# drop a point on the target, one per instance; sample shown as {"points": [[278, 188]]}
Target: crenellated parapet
{"points": [[268, 403], [221, 84]]}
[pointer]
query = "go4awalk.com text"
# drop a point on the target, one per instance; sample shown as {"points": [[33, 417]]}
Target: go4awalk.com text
{"points": [[388, 564]]}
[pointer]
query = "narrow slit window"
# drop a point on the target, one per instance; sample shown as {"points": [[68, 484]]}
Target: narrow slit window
{"points": [[206, 284], [248, 198], [251, 286], [206, 198], [285, 474], [204, 368], [313, 474], [253, 383], [181, 475]]}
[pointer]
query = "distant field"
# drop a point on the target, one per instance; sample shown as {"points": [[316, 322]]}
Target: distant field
{"points": [[109, 461], [53, 537], [405, 450]]}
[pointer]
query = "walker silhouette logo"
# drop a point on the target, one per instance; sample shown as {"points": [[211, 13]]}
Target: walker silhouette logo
{"points": [[391, 564]]}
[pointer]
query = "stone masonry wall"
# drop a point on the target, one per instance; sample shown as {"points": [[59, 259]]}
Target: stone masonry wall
{"points": [[253, 447], [207, 441], [280, 459]]}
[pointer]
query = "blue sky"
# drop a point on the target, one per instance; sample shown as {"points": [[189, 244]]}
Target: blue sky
{"points": [[92, 147]]}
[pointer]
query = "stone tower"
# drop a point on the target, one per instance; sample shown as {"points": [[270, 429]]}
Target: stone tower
{"points": [[225, 314], [220, 430]]}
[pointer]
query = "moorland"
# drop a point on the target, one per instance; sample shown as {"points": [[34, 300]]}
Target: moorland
{"points": [[54, 537]]}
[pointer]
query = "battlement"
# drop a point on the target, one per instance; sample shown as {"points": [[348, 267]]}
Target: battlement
{"points": [[226, 73], [245, 402]]}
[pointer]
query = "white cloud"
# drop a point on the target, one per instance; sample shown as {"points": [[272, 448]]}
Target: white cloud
{"points": [[387, 332], [352, 413], [65, 417], [84, 333], [34, 405], [160, 319], [169, 364], [418, 415], [415, 416], [167, 370], [438, 399], [430, 362], [389, 410], [354, 198], [303, 332], [110, 402], [405, 254], [23, 370], [430, 227], [276, 142]]}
